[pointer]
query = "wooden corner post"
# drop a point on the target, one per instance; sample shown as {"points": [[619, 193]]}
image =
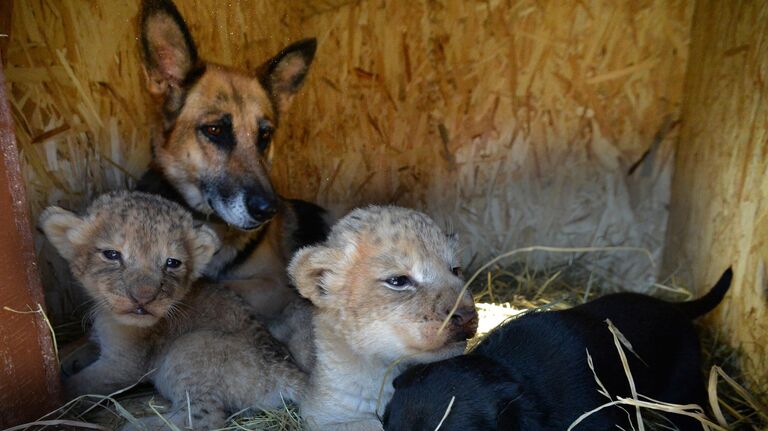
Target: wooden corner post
{"points": [[29, 374]]}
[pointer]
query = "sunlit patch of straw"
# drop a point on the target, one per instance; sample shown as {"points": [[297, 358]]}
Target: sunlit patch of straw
{"points": [[529, 250]]}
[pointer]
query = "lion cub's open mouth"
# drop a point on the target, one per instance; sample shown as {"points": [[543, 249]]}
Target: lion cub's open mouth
{"points": [[140, 311]]}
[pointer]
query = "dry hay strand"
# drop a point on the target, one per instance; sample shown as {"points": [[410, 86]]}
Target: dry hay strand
{"points": [[47, 321], [639, 401], [109, 412], [739, 407], [756, 419]]}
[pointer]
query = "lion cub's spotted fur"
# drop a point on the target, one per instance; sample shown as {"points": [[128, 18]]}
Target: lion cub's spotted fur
{"points": [[138, 255], [366, 317]]}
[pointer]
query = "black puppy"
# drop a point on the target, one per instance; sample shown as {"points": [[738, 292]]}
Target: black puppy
{"points": [[532, 373]]}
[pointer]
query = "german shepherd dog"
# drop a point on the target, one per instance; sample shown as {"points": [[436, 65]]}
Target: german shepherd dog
{"points": [[213, 155]]}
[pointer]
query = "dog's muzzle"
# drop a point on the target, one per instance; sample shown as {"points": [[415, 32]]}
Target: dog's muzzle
{"points": [[244, 207]]}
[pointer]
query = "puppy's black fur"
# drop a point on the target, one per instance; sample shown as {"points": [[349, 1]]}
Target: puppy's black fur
{"points": [[532, 373]]}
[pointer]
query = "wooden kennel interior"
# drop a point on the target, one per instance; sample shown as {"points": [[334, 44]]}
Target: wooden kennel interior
{"points": [[559, 123]]}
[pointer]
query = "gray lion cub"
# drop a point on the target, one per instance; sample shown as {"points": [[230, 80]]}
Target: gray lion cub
{"points": [[138, 256]]}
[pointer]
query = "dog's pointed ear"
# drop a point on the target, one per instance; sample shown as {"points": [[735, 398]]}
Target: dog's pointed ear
{"points": [[283, 74], [205, 243], [63, 229], [309, 271], [167, 48]]}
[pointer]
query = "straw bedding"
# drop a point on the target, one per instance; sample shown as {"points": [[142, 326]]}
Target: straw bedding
{"points": [[501, 292]]}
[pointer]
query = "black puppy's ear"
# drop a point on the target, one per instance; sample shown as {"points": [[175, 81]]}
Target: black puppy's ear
{"points": [[167, 48], [398, 382], [412, 375], [283, 74]]}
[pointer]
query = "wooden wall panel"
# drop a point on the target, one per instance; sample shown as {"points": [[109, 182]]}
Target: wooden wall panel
{"points": [[719, 213], [516, 122]]}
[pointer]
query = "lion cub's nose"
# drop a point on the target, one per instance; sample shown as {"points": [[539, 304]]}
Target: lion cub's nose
{"points": [[464, 316], [143, 295], [465, 321]]}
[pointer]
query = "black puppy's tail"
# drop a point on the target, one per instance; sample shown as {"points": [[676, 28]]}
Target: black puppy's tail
{"points": [[708, 302]]}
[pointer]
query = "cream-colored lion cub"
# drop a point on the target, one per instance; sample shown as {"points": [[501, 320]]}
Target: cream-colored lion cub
{"points": [[137, 255], [382, 285]]}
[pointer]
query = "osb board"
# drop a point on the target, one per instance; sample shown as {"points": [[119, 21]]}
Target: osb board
{"points": [[308, 8], [719, 213], [516, 121], [83, 117]]}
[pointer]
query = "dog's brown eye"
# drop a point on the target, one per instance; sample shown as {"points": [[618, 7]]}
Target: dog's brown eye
{"points": [[399, 282], [265, 137], [457, 271], [214, 131], [112, 254], [220, 132], [172, 263]]}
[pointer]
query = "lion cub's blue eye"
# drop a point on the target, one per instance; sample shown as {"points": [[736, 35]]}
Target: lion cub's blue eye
{"points": [[112, 254], [399, 282], [172, 263]]}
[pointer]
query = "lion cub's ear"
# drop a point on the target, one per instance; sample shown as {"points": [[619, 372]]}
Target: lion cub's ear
{"points": [[205, 243], [310, 269], [63, 229]]}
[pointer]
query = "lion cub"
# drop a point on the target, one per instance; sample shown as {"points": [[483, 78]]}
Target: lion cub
{"points": [[381, 285], [137, 255]]}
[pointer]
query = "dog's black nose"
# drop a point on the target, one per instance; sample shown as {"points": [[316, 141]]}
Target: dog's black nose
{"points": [[260, 207]]}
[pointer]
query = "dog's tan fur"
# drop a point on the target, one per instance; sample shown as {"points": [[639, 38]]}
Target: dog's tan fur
{"points": [[362, 325], [207, 348], [261, 278]]}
